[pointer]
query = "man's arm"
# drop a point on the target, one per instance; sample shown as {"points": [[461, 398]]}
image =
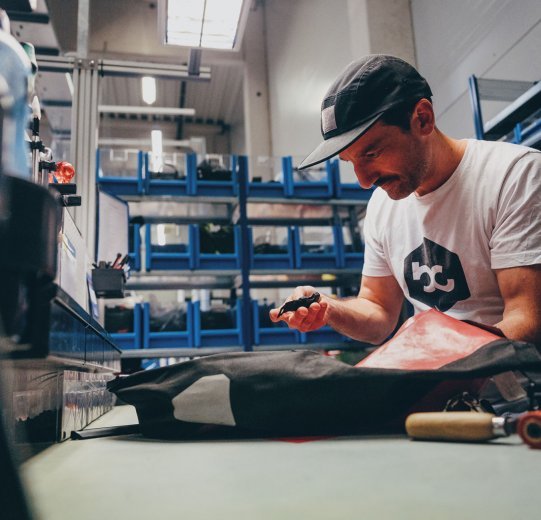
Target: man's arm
{"points": [[370, 317], [521, 292]]}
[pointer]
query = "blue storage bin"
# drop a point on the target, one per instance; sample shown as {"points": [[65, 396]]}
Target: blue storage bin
{"points": [[268, 168], [169, 174], [271, 333], [131, 340], [120, 172], [313, 253], [312, 183], [168, 339], [212, 261], [347, 190], [351, 253], [213, 175], [135, 247], [172, 256], [270, 255], [219, 337]]}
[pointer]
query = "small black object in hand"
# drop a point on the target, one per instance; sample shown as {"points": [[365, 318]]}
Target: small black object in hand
{"points": [[293, 305]]}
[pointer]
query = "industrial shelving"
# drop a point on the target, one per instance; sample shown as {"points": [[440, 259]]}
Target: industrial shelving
{"points": [[244, 269], [519, 122]]}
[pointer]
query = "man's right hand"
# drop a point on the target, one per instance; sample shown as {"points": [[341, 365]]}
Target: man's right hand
{"points": [[304, 319]]}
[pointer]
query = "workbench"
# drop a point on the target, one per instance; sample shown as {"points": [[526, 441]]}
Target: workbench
{"points": [[334, 478]]}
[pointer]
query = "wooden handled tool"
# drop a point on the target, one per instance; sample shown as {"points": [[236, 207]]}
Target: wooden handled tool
{"points": [[455, 426], [473, 426]]}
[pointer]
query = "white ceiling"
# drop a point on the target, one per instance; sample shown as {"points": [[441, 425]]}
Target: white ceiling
{"points": [[127, 29]]}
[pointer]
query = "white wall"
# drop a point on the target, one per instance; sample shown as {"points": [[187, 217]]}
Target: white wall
{"points": [[307, 46], [309, 42], [498, 39]]}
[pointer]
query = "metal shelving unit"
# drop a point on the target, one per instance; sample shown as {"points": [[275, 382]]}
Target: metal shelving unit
{"points": [[234, 210], [519, 122]]}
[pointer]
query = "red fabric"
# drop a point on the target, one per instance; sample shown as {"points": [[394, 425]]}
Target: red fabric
{"points": [[428, 341], [300, 440]]}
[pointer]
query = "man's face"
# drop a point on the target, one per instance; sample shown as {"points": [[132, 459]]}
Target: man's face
{"points": [[389, 157]]}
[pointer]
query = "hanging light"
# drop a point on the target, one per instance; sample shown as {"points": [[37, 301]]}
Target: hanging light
{"points": [[156, 140], [161, 234], [148, 86]]}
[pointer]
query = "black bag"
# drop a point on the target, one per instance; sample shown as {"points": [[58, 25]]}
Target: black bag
{"points": [[306, 393]]}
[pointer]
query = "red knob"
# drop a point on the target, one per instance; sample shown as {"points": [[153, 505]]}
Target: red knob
{"points": [[64, 172], [529, 428]]}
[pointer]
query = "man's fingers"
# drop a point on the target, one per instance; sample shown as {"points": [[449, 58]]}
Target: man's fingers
{"points": [[297, 318], [274, 315], [301, 318]]}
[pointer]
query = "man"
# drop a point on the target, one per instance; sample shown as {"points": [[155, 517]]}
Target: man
{"points": [[453, 225]]}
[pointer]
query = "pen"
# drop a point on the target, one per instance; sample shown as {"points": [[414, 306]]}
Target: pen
{"points": [[118, 257]]}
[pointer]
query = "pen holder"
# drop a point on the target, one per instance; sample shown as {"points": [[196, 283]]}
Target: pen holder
{"points": [[108, 283]]}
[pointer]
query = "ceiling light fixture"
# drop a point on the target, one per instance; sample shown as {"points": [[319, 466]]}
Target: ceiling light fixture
{"points": [[156, 140], [70, 83], [148, 85], [161, 235], [210, 24]]}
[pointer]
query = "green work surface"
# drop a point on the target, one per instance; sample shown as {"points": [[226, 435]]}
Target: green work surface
{"points": [[342, 478]]}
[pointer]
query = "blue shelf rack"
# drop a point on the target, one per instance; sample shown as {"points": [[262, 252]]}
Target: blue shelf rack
{"points": [[170, 187], [214, 188], [218, 337], [328, 259], [217, 261], [181, 259], [135, 251], [308, 189], [278, 334], [131, 340], [188, 256], [348, 259], [168, 339], [519, 122], [121, 185], [245, 331], [284, 260], [272, 189], [323, 335]]}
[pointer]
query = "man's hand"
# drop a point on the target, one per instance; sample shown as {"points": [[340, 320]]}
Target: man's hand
{"points": [[304, 319], [370, 317]]}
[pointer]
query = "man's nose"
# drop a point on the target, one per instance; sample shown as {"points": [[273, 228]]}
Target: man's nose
{"points": [[366, 177]]}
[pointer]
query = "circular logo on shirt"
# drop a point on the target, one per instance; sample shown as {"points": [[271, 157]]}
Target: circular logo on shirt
{"points": [[435, 277]]}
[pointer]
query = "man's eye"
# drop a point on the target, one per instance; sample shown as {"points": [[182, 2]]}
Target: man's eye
{"points": [[372, 154]]}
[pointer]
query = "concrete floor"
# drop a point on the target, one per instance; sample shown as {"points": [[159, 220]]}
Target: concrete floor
{"points": [[344, 478]]}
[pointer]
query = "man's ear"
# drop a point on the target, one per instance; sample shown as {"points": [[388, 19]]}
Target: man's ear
{"points": [[422, 119]]}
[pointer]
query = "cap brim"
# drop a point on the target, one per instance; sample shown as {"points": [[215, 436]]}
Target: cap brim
{"points": [[333, 146]]}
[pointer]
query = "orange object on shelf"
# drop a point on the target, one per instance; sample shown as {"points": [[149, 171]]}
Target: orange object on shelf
{"points": [[64, 172]]}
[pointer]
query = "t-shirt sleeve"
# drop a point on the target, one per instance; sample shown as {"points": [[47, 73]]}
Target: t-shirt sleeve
{"points": [[375, 263], [516, 237]]}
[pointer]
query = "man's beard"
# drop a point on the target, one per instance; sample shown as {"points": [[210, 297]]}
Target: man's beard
{"points": [[405, 183]]}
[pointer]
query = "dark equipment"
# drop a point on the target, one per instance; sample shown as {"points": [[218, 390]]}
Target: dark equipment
{"points": [[306, 393], [293, 305]]}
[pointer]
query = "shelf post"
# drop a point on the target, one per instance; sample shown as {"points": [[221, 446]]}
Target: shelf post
{"points": [[247, 327]]}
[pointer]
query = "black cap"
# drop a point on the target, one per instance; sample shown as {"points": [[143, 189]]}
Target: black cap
{"points": [[362, 93]]}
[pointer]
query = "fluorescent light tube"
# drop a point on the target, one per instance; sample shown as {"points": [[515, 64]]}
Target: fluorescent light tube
{"points": [[148, 85], [70, 83], [161, 234], [156, 141]]}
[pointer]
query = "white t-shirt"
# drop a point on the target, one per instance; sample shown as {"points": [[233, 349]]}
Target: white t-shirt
{"points": [[442, 247]]}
